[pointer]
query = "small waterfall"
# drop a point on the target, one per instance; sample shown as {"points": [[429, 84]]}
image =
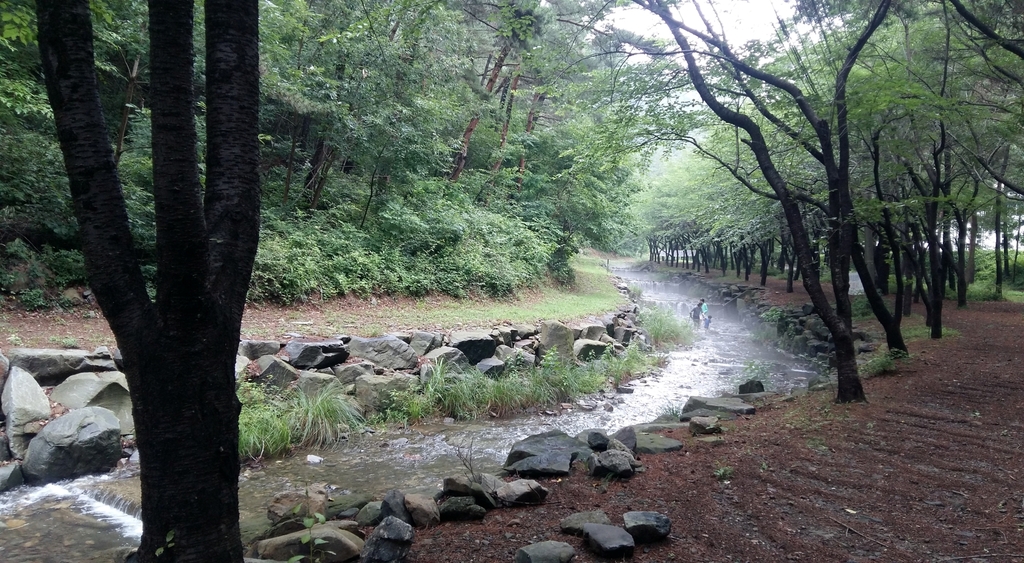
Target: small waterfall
{"points": [[103, 506]]}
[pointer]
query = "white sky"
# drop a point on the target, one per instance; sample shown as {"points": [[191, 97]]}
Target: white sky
{"points": [[742, 20]]}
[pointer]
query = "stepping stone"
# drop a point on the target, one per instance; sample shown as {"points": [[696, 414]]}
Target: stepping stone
{"points": [[608, 541], [573, 523], [723, 404], [546, 552], [656, 444], [647, 527]]}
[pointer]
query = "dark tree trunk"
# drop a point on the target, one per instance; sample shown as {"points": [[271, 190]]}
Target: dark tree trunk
{"points": [[891, 324], [186, 414], [765, 262]]}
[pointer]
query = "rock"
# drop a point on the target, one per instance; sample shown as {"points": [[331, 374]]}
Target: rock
{"points": [[627, 436], [752, 386], [107, 389], [524, 331], [722, 404], [597, 440], [24, 405], [389, 542], [593, 331], [546, 552], [330, 544], [461, 509], [5, 448], [647, 527], [276, 372], [452, 357], [11, 476], [611, 462], [557, 338], [423, 510], [547, 442], [345, 503], [371, 389], [656, 444], [348, 373], [81, 442], [5, 367], [614, 444], [475, 344], [491, 367], [551, 464], [624, 334], [369, 514], [394, 505], [385, 351], [688, 415], [700, 425], [50, 367], [241, 368], [303, 355], [311, 383], [255, 349], [296, 504], [587, 350], [608, 541], [522, 491], [573, 523], [459, 486], [424, 342]]}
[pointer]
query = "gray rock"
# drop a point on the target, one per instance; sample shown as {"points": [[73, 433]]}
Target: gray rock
{"points": [[475, 344], [385, 351], [241, 368], [389, 542], [491, 367], [624, 334], [688, 415], [369, 514], [11, 476], [551, 464], [524, 331], [547, 442], [107, 389], [424, 342], [423, 510], [611, 462], [333, 545], [276, 372], [700, 425], [587, 350], [457, 509], [614, 444], [752, 386], [556, 338], [348, 373], [394, 505], [627, 436], [307, 354], [25, 405], [5, 448], [255, 349], [5, 366], [81, 442], [522, 491], [573, 523], [371, 389], [608, 541], [656, 444], [546, 552], [459, 486], [647, 527], [721, 404], [593, 331], [311, 382], [50, 367], [344, 503], [597, 440], [452, 357]]}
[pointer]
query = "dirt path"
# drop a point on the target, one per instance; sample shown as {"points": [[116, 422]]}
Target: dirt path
{"points": [[931, 469]]}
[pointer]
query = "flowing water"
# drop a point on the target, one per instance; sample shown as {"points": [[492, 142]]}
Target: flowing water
{"points": [[80, 520]]}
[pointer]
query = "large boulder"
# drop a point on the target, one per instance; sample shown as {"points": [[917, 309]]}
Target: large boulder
{"points": [[108, 389], [320, 354], [255, 349], [328, 543], [81, 442], [371, 390], [475, 344], [423, 510], [50, 367], [556, 338], [452, 357], [389, 542], [276, 372], [385, 351], [548, 442], [647, 527], [546, 552], [587, 350], [424, 342], [718, 404], [26, 407]]}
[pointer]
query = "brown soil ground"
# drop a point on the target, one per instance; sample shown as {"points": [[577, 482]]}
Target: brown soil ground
{"points": [[930, 469]]}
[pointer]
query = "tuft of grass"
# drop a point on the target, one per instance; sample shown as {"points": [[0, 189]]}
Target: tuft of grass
{"points": [[321, 420], [626, 366], [723, 472], [64, 341], [262, 427], [665, 327]]}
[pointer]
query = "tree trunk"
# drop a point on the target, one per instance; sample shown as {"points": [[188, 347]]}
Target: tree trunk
{"points": [[460, 158], [186, 416], [891, 324], [971, 264]]}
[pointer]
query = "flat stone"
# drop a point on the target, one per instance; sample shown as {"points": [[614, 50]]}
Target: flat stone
{"points": [[552, 464], [656, 444], [647, 527], [687, 415], [723, 404], [700, 425], [491, 367], [573, 523], [608, 541], [546, 552], [385, 351], [547, 442]]}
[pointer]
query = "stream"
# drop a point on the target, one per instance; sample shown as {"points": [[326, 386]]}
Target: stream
{"points": [[81, 520]]}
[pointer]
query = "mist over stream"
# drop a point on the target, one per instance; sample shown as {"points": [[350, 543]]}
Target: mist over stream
{"points": [[79, 520]]}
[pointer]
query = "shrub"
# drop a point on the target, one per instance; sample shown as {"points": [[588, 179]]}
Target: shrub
{"points": [[33, 299], [983, 291], [773, 315]]}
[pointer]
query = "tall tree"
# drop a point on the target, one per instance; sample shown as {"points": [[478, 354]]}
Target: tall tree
{"points": [[178, 349]]}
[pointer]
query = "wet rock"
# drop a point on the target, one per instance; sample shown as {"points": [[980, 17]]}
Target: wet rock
{"points": [[700, 425], [522, 491], [255, 349], [344, 503], [332, 544], [608, 541], [385, 351], [475, 344], [647, 527], [423, 510], [551, 464], [612, 462], [573, 523], [752, 386], [11, 476], [656, 444], [546, 552], [389, 542], [556, 338], [457, 509], [394, 505], [547, 442], [369, 514], [81, 442], [597, 440], [721, 404]]}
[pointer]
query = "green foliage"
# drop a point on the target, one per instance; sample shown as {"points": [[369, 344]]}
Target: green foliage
{"points": [[757, 369], [321, 420], [33, 299], [861, 308], [773, 315], [262, 425], [723, 472], [628, 365], [983, 291], [665, 327], [882, 364]]}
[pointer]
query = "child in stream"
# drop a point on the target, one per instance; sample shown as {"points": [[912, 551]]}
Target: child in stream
{"points": [[695, 315]]}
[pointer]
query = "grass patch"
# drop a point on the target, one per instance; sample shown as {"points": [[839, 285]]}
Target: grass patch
{"points": [[882, 364], [262, 426], [920, 331], [666, 328], [320, 420]]}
